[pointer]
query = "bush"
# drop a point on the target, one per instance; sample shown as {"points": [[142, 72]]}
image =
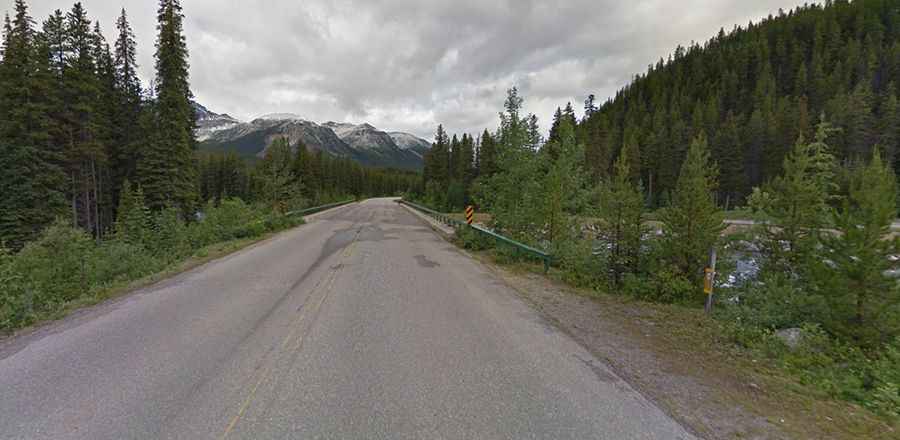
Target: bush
{"points": [[15, 307], [66, 265], [116, 261], [57, 264], [226, 221], [471, 239], [170, 235], [774, 302], [579, 265]]}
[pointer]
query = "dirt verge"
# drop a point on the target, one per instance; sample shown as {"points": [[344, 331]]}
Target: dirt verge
{"points": [[673, 355]]}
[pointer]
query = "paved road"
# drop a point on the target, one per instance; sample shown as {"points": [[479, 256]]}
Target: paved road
{"points": [[362, 324]]}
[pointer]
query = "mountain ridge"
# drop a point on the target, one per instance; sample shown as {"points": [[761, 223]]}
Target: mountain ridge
{"points": [[363, 143]]}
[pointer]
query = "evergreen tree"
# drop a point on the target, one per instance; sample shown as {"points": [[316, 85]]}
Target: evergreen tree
{"points": [[133, 220], [692, 224], [31, 180], [82, 123], [862, 299], [166, 169], [563, 186], [281, 187], [797, 204], [620, 210], [733, 186], [487, 155], [123, 154]]}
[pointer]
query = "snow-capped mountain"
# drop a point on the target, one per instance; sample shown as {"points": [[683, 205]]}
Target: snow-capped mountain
{"points": [[408, 142], [209, 122], [362, 143]]}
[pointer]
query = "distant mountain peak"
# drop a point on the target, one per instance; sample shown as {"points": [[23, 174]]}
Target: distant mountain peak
{"points": [[363, 143], [280, 117]]}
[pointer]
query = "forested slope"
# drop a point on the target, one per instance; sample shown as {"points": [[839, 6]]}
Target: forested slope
{"points": [[754, 91]]}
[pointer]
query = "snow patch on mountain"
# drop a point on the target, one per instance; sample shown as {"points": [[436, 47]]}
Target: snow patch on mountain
{"points": [[281, 117], [363, 143]]}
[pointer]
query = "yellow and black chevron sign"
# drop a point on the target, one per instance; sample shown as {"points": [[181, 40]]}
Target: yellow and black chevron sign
{"points": [[470, 214]]}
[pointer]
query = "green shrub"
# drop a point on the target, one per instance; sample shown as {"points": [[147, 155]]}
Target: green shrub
{"points": [[886, 394], [774, 302], [15, 307], [171, 241], [471, 239], [57, 264], [66, 265], [116, 261], [579, 265]]}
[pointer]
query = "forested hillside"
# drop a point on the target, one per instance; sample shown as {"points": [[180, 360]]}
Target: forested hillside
{"points": [[76, 124], [754, 91]]}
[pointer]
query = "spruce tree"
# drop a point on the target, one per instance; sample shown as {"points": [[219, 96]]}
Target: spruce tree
{"points": [[29, 175], [620, 210], [797, 204], [82, 123], [281, 188], [487, 155], [123, 151], [166, 169], [733, 186], [693, 222], [133, 220], [563, 186], [862, 299]]}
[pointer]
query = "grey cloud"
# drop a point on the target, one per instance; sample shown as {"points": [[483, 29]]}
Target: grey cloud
{"points": [[411, 64]]}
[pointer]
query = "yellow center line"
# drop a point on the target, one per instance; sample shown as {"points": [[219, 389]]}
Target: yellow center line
{"points": [[295, 326]]}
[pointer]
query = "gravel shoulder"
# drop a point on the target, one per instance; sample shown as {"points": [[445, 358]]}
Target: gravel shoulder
{"points": [[672, 355]]}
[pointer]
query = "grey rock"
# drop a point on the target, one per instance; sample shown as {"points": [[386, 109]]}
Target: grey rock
{"points": [[792, 337]]}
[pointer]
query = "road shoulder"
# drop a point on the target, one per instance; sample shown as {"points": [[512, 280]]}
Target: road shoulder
{"points": [[671, 354]]}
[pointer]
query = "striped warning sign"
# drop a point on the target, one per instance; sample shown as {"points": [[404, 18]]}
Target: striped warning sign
{"points": [[470, 214]]}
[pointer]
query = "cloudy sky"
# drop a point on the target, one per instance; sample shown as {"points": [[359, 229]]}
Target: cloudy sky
{"points": [[411, 64]]}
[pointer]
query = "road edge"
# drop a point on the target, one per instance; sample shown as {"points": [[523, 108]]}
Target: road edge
{"points": [[149, 283]]}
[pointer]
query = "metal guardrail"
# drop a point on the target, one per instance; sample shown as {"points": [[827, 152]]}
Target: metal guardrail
{"points": [[316, 209], [447, 220]]}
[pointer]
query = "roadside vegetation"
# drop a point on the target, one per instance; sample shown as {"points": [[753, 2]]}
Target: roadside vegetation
{"points": [[631, 199], [822, 304], [101, 180], [66, 267]]}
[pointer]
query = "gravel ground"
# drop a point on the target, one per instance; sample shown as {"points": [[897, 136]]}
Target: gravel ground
{"points": [[670, 355]]}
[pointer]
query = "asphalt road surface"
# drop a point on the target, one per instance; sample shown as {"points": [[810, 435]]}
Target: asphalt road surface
{"points": [[362, 324]]}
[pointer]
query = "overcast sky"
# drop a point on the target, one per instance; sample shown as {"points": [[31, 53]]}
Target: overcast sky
{"points": [[411, 64]]}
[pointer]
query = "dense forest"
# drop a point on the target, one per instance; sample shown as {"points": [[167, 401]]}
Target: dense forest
{"points": [[76, 124], [752, 91]]}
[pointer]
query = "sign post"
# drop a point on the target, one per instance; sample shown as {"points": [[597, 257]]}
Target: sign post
{"points": [[470, 214], [709, 280]]}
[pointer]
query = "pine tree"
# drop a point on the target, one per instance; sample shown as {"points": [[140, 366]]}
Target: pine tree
{"points": [[466, 164], [797, 204], [29, 175], [733, 186], [487, 155], [82, 124], [861, 298], [123, 151], [563, 186], [166, 168], [281, 187], [553, 137], [692, 224], [133, 219], [620, 210]]}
